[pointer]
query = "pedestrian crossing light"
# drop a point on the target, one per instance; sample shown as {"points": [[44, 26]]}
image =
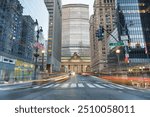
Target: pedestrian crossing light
{"points": [[100, 33]]}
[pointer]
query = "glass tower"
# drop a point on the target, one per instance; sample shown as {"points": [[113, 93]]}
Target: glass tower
{"points": [[134, 17], [75, 30]]}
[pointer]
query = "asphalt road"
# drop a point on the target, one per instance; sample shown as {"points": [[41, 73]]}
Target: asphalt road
{"points": [[76, 88]]}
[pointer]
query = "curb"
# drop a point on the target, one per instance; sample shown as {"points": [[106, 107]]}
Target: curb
{"points": [[18, 85], [36, 82]]}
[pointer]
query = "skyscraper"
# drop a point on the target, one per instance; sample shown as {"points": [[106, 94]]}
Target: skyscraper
{"points": [[10, 25], [75, 30], [134, 15], [10, 35], [16, 33], [104, 16], [27, 40], [75, 38], [54, 35]]}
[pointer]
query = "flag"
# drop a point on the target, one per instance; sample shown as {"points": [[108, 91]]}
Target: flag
{"points": [[38, 45]]}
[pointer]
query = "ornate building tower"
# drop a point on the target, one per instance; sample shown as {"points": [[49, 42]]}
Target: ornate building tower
{"points": [[104, 15]]}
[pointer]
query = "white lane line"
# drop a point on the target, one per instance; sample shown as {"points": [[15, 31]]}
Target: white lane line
{"points": [[56, 85], [64, 85], [99, 86], [4, 89], [118, 87], [91, 86], [36, 87], [73, 85], [108, 86], [80, 85], [130, 88], [48, 86]]}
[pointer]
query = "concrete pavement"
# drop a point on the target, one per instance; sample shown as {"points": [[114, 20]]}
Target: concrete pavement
{"points": [[77, 88]]}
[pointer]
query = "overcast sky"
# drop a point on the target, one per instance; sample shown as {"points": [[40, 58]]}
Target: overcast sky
{"points": [[37, 10]]}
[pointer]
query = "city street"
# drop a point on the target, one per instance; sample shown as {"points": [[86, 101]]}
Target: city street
{"points": [[76, 88]]}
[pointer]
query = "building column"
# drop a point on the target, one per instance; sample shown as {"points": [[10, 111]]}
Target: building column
{"points": [[79, 68]]}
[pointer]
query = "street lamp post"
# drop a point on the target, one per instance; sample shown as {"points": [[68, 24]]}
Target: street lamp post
{"points": [[117, 53], [43, 60], [36, 54]]}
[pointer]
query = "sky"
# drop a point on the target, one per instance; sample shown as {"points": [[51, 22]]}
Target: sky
{"points": [[37, 10]]}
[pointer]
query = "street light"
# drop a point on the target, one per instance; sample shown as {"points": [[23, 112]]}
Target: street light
{"points": [[43, 60], [117, 53], [36, 54]]}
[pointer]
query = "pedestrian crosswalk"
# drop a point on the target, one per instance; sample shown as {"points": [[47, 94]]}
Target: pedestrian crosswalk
{"points": [[78, 85], [87, 85], [90, 85], [99, 86]]}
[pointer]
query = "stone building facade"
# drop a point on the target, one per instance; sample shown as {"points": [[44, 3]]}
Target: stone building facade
{"points": [[104, 15], [76, 64]]}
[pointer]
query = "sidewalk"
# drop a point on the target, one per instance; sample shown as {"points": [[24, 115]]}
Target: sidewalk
{"points": [[35, 82]]}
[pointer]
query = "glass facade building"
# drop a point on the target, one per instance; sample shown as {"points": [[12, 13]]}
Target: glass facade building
{"points": [[134, 18], [16, 40], [75, 30], [54, 35]]}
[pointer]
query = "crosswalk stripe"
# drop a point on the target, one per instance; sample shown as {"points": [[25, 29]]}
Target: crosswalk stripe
{"points": [[56, 85], [36, 87], [48, 86], [65, 85], [91, 86], [117, 86], [73, 85], [4, 89], [99, 86], [80, 85], [108, 86], [127, 87]]}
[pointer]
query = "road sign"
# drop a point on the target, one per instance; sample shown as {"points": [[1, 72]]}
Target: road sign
{"points": [[124, 38], [116, 44]]}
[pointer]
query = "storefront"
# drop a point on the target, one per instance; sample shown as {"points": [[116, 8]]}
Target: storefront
{"points": [[23, 71], [6, 68]]}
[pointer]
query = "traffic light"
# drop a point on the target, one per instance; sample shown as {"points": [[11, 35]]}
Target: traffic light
{"points": [[100, 33], [97, 33]]}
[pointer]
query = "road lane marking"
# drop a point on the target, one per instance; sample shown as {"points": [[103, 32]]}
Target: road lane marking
{"points": [[130, 88], [48, 86], [108, 86], [73, 85], [99, 86], [56, 85], [90, 85], [5, 89], [64, 85], [116, 86], [80, 85], [36, 87]]}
